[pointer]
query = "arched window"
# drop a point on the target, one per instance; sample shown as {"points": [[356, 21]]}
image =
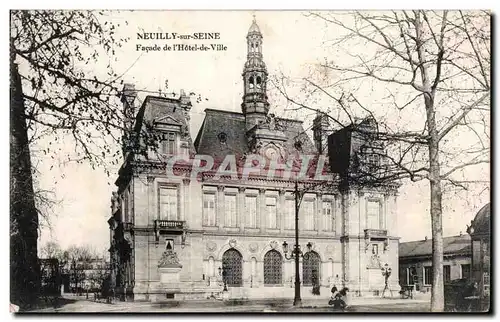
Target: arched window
{"points": [[251, 82], [259, 82], [232, 267], [273, 268], [310, 267]]}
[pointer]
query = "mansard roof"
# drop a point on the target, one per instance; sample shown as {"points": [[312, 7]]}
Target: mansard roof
{"points": [[165, 110], [232, 128]]}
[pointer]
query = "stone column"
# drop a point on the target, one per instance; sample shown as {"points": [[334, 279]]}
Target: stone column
{"points": [[319, 213], [185, 209], [220, 206], [281, 210], [261, 210], [240, 205], [152, 214]]}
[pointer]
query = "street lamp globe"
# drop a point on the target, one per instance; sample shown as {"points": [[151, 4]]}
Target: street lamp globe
{"points": [[285, 247]]}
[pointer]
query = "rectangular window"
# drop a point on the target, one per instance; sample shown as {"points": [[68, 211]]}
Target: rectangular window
{"points": [[328, 220], [465, 270], [375, 249], [209, 213], [168, 203], [373, 215], [271, 213], [230, 210], [289, 214], [168, 143], [307, 214], [251, 211], [409, 276], [428, 275], [446, 273]]}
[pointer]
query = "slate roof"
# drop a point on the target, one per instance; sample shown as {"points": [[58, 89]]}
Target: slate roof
{"points": [[482, 221], [158, 109], [232, 124], [453, 245]]}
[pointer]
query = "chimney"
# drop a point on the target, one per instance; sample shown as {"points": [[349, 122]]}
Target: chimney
{"points": [[320, 128], [185, 100], [129, 94], [128, 97], [426, 238]]}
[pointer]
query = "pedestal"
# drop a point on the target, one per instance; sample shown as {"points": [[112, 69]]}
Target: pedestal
{"points": [[169, 270], [169, 275]]}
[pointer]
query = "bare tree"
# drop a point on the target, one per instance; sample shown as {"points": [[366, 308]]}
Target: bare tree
{"points": [[430, 70], [63, 88], [51, 249], [79, 259], [53, 93]]}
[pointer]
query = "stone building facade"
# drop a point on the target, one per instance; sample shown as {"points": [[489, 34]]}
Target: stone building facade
{"points": [[235, 226]]}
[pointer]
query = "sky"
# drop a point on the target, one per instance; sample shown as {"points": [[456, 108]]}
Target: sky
{"points": [[292, 44]]}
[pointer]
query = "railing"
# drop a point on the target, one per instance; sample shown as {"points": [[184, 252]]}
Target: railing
{"points": [[375, 233], [169, 224]]}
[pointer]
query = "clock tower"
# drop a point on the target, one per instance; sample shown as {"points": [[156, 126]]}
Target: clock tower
{"points": [[255, 105]]}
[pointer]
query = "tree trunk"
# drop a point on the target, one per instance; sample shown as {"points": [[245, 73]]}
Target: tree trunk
{"points": [[24, 266], [437, 295]]}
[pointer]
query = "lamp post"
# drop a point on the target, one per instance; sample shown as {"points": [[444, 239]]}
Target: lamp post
{"points": [[223, 273], [386, 272], [296, 253]]}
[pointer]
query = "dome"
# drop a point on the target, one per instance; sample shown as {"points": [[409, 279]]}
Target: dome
{"points": [[256, 63], [254, 27], [481, 223]]}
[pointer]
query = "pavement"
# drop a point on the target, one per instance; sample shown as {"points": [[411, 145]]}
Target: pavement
{"points": [[239, 306]]}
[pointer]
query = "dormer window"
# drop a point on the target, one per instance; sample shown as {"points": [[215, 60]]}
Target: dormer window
{"points": [[168, 143], [222, 137], [371, 159], [298, 145]]}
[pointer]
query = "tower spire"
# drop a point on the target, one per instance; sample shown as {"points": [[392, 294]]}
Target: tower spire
{"points": [[255, 105]]}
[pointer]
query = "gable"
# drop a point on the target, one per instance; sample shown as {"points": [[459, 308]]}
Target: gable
{"points": [[166, 120]]}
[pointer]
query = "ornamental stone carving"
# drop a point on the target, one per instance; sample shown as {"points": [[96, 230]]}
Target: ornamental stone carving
{"points": [[273, 244], [253, 247], [169, 259], [374, 262], [211, 246], [232, 243]]}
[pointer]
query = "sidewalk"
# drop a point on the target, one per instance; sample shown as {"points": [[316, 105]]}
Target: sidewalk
{"points": [[212, 305]]}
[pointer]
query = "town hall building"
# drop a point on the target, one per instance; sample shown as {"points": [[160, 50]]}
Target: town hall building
{"points": [[184, 236]]}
